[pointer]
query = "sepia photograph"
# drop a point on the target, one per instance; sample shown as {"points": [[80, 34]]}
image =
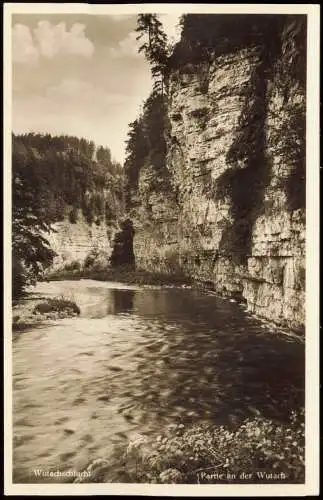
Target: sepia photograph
{"points": [[161, 220]]}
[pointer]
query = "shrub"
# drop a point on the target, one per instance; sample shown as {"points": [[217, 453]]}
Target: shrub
{"points": [[90, 258], [72, 216], [96, 260], [19, 278], [56, 305], [75, 265]]}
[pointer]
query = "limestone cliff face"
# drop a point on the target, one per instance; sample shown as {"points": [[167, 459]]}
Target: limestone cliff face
{"points": [[236, 157], [85, 238], [73, 243]]}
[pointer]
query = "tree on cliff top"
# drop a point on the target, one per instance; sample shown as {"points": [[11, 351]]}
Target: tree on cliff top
{"points": [[205, 36], [154, 47]]}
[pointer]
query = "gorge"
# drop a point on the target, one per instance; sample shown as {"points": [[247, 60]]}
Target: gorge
{"points": [[235, 153], [216, 187], [158, 305]]}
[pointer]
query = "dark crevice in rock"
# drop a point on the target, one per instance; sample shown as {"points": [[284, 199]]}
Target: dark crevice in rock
{"points": [[123, 254]]}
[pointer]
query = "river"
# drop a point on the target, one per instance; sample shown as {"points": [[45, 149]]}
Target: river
{"points": [[135, 361]]}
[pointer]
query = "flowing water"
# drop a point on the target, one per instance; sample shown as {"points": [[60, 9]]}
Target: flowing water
{"points": [[135, 361]]}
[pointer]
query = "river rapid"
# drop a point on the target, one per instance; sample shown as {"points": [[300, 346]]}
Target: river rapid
{"points": [[137, 360]]}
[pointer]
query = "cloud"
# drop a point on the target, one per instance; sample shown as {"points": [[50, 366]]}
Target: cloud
{"points": [[23, 47], [62, 95], [53, 40], [49, 40], [171, 26], [128, 47]]}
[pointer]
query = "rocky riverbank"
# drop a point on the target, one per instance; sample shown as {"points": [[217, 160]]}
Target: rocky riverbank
{"points": [[259, 450], [145, 278], [32, 311]]}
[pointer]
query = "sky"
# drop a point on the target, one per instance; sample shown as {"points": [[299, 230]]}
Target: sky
{"points": [[80, 75]]}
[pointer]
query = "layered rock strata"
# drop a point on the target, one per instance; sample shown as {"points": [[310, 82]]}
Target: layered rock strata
{"points": [[235, 153]]}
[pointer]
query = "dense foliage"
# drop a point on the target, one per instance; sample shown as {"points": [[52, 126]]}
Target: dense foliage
{"points": [[209, 35], [55, 177], [137, 152], [122, 254], [291, 67], [145, 168], [67, 171]]}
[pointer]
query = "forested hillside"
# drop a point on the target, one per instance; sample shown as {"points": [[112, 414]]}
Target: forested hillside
{"points": [[55, 178]]}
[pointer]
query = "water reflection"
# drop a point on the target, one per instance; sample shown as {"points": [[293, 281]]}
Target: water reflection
{"points": [[113, 302]]}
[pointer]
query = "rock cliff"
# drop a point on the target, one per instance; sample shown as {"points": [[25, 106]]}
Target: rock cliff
{"points": [[72, 186], [76, 243], [235, 151]]}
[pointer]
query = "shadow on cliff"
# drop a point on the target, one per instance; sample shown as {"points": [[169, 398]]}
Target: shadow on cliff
{"points": [[245, 182], [251, 168]]}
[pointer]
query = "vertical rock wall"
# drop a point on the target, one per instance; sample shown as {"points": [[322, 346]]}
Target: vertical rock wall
{"points": [[275, 286], [237, 127], [74, 243]]}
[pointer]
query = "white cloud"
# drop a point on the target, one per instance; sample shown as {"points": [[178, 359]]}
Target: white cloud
{"points": [[171, 26], [53, 40], [49, 41], [23, 47], [128, 47]]}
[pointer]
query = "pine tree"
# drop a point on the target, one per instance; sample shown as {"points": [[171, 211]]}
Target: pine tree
{"points": [[136, 150], [154, 47]]}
